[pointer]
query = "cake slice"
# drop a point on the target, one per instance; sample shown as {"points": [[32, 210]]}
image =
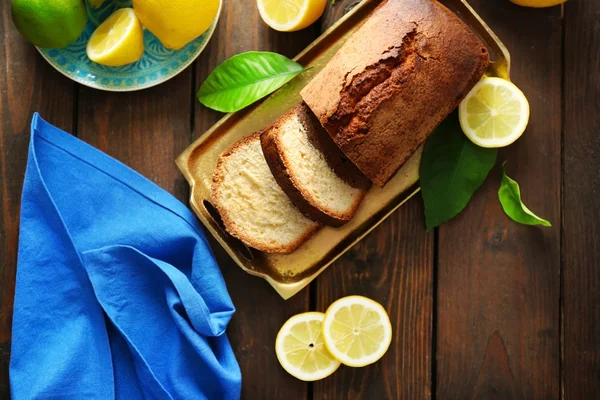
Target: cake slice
{"points": [[319, 180], [253, 207], [393, 81]]}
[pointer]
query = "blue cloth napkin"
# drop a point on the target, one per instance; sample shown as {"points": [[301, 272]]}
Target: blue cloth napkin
{"points": [[118, 295]]}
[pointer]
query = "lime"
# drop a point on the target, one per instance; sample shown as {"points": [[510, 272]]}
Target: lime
{"points": [[50, 24]]}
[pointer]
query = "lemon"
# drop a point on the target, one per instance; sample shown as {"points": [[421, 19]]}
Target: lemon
{"points": [[290, 15], [95, 3], [117, 41], [538, 3], [300, 349], [50, 24], [495, 113], [176, 23], [357, 331]]}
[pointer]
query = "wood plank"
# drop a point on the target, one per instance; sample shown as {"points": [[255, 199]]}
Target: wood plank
{"points": [[146, 129], [394, 266], [27, 84], [260, 311], [498, 282], [581, 251]]}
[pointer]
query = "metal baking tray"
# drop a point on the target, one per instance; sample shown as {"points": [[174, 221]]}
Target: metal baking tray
{"points": [[288, 274]]}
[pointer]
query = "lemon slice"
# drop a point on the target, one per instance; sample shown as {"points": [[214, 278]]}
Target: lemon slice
{"points": [[117, 41], [538, 3], [357, 331], [495, 113], [290, 15], [300, 348]]}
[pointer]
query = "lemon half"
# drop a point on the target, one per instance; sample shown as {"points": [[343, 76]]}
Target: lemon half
{"points": [[357, 331], [290, 15], [117, 41], [300, 348], [495, 113]]}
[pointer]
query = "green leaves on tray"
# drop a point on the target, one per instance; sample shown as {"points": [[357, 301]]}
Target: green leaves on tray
{"points": [[245, 78], [452, 169], [510, 198]]}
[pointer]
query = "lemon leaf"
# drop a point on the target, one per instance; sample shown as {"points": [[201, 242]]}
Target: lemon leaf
{"points": [[510, 198], [246, 78], [452, 169]]}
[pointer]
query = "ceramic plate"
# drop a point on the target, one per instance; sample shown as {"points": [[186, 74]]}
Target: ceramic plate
{"points": [[157, 65]]}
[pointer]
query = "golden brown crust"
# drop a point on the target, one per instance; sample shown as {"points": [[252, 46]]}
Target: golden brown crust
{"points": [[230, 226], [279, 165], [394, 80]]}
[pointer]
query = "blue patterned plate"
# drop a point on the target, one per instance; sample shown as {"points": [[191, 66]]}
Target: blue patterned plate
{"points": [[157, 65]]}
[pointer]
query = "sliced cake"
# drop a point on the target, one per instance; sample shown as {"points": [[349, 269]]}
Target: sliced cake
{"points": [[309, 167], [253, 207]]}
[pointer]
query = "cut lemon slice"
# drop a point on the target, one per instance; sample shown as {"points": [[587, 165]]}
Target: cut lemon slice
{"points": [[357, 331], [495, 113], [300, 348], [117, 41], [290, 15]]}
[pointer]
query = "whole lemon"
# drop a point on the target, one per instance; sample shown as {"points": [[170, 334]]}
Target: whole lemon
{"points": [[50, 23], [538, 3], [176, 23]]}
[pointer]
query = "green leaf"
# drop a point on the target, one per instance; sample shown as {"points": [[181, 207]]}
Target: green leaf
{"points": [[510, 198], [246, 78], [452, 169]]}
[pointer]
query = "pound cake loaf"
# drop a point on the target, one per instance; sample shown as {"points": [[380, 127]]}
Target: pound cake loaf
{"points": [[393, 81], [311, 169], [253, 207]]}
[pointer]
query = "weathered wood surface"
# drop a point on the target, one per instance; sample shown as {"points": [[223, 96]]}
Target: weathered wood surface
{"points": [[476, 307], [498, 285], [394, 266], [581, 202], [27, 84]]}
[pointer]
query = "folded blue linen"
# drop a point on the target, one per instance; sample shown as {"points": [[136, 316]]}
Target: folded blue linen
{"points": [[118, 295]]}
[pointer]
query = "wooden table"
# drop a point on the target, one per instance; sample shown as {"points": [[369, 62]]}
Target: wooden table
{"points": [[481, 308]]}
